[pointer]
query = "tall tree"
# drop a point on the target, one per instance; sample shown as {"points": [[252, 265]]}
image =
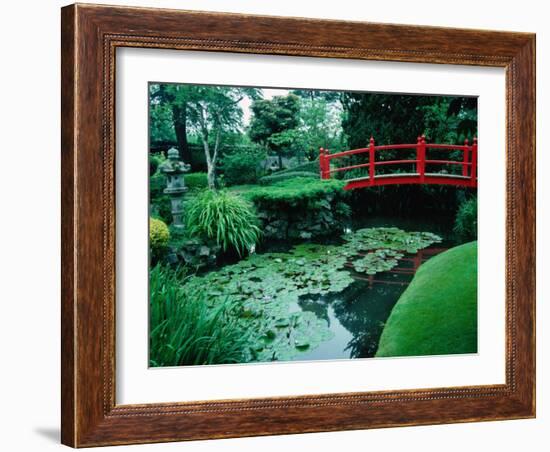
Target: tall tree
{"points": [[174, 97], [274, 123], [394, 118], [320, 121], [211, 110], [389, 118]]}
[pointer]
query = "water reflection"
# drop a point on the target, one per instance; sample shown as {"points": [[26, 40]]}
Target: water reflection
{"points": [[357, 315]]}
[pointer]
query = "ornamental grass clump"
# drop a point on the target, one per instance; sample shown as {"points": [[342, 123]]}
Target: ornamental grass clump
{"points": [[225, 217], [186, 329]]}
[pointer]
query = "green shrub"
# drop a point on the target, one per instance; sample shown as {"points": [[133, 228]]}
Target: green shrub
{"points": [[225, 217], [309, 167], [296, 190], [466, 220], [158, 233], [242, 167], [195, 181], [155, 161], [157, 184], [299, 208], [161, 207], [184, 329], [277, 177]]}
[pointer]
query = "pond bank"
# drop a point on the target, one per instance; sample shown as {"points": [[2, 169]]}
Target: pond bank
{"points": [[437, 314]]}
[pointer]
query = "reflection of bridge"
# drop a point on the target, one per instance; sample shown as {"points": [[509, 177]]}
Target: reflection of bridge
{"points": [[467, 178], [417, 260]]}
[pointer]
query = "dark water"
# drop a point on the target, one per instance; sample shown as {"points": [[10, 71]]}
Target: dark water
{"points": [[357, 315]]}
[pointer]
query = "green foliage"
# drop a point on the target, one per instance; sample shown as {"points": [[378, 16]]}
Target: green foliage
{"points": [[466, 220], [309, 167], [394, 119], [168, 115], [274, 122], [342, 210], [296, 190], [155, 160], [160, 203], [225, 217], [158, 233], [320, 122], [242, 166], [273, 116], [161, 123], [437, 313], [185, 328], [210, 111], [281, 176], [196, 181], [162, 209], [157, 184]]}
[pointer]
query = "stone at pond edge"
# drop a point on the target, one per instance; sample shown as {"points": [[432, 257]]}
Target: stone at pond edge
{"points": [[196, 252]]}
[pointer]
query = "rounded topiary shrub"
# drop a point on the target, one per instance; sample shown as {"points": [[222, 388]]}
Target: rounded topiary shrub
{"points": [[159, 234]]}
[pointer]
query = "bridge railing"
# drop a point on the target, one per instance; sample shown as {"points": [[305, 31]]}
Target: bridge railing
{"points": [[468, 162]]}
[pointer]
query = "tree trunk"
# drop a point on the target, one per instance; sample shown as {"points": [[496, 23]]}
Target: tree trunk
{"points": [[179, 113], [280, 160], [211, 177], [210, 162]]}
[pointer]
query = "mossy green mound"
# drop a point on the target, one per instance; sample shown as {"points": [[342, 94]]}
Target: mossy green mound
{"points": [[437, 314]]}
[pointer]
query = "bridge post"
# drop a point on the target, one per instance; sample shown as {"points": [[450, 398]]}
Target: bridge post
{"points": [[465, 156], [371, 161], [324, 164], [421, 157], [473, 172]]}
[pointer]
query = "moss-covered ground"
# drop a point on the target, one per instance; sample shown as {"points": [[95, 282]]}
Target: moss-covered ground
{"points": [[437, 314]]}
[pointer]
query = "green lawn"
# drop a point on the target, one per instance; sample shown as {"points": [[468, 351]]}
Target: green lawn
{"points": [[437, 314]]}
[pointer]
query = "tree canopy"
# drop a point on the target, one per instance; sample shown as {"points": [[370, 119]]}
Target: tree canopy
{"points": [[274, 123], [391, 118]]}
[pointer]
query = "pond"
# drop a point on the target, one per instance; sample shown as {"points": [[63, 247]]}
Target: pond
{"points": [[325, 300], [356, 316]]}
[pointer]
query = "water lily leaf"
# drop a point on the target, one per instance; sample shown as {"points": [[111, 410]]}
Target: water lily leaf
{"points": [[267, 286]]}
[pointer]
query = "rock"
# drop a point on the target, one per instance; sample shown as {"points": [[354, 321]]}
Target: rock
{"points": [[320, 219], [172, 258]]}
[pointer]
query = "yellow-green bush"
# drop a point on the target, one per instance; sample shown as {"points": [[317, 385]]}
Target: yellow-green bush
{"points": [[158, 233]]}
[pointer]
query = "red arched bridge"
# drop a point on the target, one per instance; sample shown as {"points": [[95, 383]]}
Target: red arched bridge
{"points": [[466, 178]]}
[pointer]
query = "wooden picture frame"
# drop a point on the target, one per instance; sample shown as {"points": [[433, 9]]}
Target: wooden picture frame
{"points": [[90, 36]]}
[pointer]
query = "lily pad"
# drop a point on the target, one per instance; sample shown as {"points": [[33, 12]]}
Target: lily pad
{"points": [[268, 286]]}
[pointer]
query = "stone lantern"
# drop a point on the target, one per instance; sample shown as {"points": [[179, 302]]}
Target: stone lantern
{"points": [[174, 169]]}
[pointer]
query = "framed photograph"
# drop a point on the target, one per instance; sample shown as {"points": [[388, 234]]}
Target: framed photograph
{"points": [[281, 225]]}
